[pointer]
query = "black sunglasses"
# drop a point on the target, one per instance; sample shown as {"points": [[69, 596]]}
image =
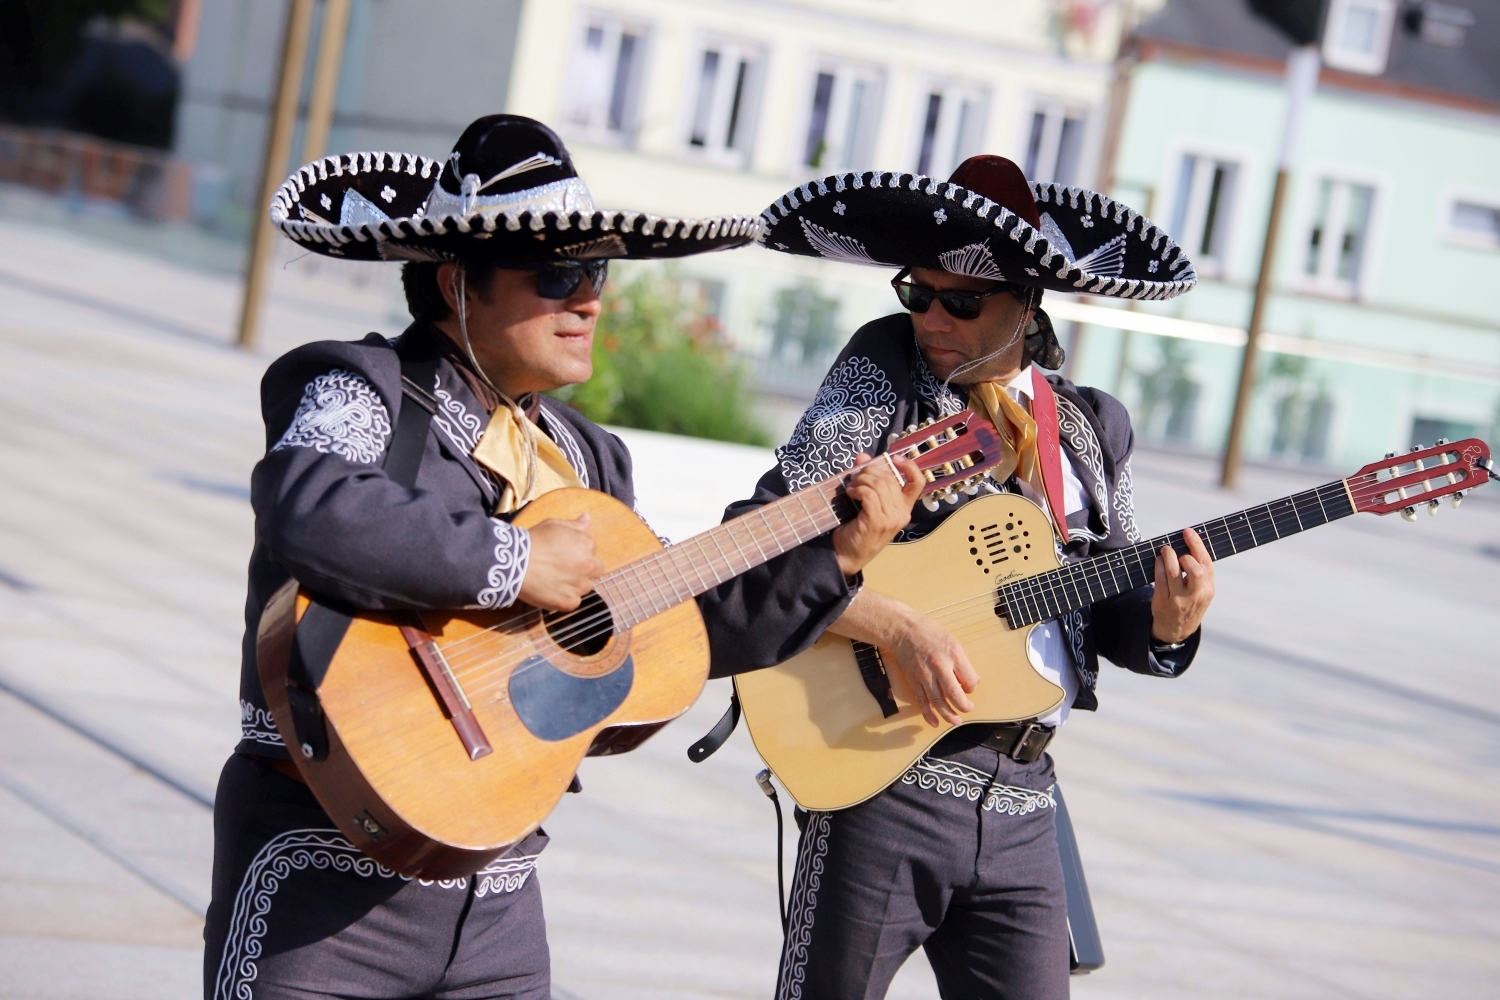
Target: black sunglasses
{"points": [[559, 279], [960, 305]]}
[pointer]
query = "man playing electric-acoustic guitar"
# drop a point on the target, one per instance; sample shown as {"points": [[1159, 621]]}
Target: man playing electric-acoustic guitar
{"points": [[959, 856], [362, 514]]}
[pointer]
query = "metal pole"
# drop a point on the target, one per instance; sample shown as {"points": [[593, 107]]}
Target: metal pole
{"points": [[1301, 81], [325, 78], [273, 169]]}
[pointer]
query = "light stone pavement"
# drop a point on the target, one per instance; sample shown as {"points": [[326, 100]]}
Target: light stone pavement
{"points": [[1312, 812]]}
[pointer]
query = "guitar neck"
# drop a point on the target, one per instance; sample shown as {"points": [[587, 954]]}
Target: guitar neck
{"points": [[1076, 585], [649, 586]]}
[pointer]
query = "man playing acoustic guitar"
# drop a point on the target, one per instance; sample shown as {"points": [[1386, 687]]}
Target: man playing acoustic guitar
{"points": [[959, 855], [391, 472]]}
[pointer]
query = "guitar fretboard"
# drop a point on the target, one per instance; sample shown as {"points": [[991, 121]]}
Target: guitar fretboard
{"points": [[1048, 595], [649, 586]]}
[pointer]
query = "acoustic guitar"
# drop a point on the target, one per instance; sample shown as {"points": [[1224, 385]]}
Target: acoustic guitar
{"points": [[437, 739], [836, 728]]}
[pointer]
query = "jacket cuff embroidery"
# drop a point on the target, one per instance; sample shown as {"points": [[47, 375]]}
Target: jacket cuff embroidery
{"points": [[512, 554]]}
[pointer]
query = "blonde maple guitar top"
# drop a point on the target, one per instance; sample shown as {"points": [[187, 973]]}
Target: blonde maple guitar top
{"points": [[816, 723]]}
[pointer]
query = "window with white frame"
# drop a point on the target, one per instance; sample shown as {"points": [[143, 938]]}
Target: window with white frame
{"points": [[843, 116], [1357, 35], [1475, 222], [608, 58], [951, 126], [1054, 143], [726, 91], [1203, 208], [1338, 237]]}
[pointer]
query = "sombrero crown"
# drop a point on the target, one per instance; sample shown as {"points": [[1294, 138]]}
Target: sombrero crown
{"points": [[508, 190], [986, 222]]}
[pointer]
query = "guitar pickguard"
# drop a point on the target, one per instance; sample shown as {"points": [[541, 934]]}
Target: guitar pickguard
{"points": [[554, 704]]}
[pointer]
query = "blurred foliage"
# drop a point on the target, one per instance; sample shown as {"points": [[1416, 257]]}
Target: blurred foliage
{"points": [[1168, 395], [804, 329], [661, 363]]}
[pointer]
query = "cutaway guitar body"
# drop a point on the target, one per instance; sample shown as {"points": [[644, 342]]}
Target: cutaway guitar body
{"points": [[398, 779], [815, 720]]}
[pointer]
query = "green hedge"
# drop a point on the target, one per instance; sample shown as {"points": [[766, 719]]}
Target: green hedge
{"points": [[661, 364]]}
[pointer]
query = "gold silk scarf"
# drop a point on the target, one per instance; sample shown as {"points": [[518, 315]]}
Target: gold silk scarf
{"points": [[526, 460], [1017, 436]]}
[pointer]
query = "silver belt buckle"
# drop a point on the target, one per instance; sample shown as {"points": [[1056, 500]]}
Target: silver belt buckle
{"points": [[1023, 751]]}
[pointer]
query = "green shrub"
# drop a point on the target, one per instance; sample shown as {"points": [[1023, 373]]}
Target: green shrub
{"points": [[661, 364]]}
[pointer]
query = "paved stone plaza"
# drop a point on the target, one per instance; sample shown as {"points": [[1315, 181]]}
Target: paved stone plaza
{"points": [[1312, 812]]}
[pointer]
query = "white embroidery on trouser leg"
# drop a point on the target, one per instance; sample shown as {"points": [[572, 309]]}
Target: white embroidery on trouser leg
{"points": [[805, 883]]}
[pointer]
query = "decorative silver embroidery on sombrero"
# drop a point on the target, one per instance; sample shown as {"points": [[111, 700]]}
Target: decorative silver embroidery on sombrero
{"points": [[975, 260], [357, 210], [512, 553], [837, 246], [1107, 260], [854, 403], [1075, 428], [603, 247], [340, 415]]}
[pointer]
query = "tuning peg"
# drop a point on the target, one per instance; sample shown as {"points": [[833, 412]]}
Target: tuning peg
{"points": [[1418, 447], [911, 428], [1440, 442], [928, 423], [892, 437], [1410, 513], [931, 503], [952, 496], [1432, 507], [972, 489], [1458, 498], [1390, 454]]}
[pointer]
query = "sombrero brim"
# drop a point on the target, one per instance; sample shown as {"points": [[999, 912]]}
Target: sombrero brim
{"points": [[1087, 242], [367, 206]]}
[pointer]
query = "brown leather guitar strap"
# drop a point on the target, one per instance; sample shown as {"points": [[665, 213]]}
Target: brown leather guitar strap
{"points": [[324, 623], [1044, 412]]}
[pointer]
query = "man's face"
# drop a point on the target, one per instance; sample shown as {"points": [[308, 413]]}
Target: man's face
{"points": [[525, 343], [948, 343]]}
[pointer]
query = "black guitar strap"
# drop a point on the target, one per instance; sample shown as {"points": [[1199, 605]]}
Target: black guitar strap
{"points": [[704, 748], [325, 621]]}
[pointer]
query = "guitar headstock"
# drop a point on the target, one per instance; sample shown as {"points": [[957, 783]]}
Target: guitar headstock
{"points": [[952, 453], [1422, 476]]}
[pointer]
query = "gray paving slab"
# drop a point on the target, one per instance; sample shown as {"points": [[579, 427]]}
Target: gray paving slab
{"points": [[1313, 811]]}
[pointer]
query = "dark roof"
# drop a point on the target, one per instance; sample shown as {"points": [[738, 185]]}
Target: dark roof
{"points": [[1472, 70]]}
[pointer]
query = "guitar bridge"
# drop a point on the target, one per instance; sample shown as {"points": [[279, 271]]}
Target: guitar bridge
{"points": [[430, 658], [872, 669]]}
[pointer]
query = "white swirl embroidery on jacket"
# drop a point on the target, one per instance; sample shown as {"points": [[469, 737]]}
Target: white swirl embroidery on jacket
{"points": [[943, 399], [853, 404], [1075, 429], [562, 435], [512, 553], [1125, 504], [454, 419], [258, 725], [339, 415], [805, 884]]}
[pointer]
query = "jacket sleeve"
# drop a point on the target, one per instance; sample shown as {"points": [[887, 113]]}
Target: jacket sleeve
{"points": [[328, 514], [778, 609]]}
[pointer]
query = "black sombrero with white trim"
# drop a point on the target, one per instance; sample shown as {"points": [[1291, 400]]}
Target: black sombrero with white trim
{"points": [[507, 191], [1049, 236]]}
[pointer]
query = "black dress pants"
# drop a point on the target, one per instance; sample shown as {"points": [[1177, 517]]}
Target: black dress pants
{"points": [[960, 858], [299, 913]]}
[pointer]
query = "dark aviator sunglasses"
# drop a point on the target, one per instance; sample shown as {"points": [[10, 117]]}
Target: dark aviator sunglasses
{"points": [[559, 279], [959, 304]]}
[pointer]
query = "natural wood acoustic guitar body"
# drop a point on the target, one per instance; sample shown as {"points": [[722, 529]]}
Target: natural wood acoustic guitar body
{"points": [[814, 720], [398, 780]]}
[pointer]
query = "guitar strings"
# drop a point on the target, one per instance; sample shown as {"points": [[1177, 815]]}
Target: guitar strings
{"points": [[1265, 515], [1369, 486]]}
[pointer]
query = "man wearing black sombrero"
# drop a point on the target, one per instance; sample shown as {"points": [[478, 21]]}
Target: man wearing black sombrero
{"points": [[391, 471], [960, 855]]}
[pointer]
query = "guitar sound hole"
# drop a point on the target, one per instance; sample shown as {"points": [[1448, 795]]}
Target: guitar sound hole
{"points": [[583, 631]]}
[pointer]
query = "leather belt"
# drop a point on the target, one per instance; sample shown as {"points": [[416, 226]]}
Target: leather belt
{"points": [[1020, 741]]}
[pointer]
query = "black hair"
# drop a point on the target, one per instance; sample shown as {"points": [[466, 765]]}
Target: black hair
{"points": [[424, 299]]}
